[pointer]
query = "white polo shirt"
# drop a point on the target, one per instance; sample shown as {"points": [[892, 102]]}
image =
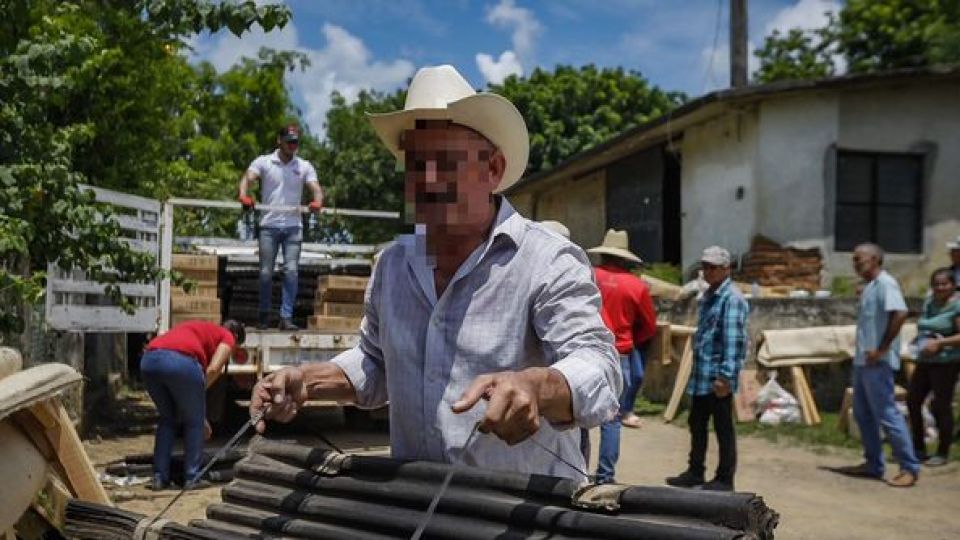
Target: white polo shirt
{"points": [[281, 184]]}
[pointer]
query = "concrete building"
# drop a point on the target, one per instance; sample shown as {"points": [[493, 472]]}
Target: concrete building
{"points": [[827, 163]]}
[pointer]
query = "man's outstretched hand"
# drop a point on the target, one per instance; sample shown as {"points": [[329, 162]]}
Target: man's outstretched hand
{"points": [[513, 411], [283, 391], [246, 201]]}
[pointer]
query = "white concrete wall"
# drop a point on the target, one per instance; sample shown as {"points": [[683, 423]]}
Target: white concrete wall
{"points": [[718, 158], [793, 138]]}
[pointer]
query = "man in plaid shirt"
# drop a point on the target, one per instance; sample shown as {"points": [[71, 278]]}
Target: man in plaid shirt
{"points": [[720, 346]]}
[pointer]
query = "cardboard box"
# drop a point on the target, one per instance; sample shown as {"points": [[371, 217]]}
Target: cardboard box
{"points": [[344, 296], [177, 318], [194, 304], [194, 262], [200, 290], [325, 323], [345, 283], [339, 309]]}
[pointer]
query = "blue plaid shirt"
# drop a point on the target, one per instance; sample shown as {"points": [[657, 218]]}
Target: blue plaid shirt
{"points": [[720, 344]]}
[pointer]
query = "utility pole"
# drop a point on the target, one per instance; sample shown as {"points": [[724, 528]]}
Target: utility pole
{"points": [[738, 43]]}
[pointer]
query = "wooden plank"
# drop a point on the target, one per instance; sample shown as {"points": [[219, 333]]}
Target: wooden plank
{"points": [[808, 394], [665, 339], [334, 324], [845, 406], [194, 304], [801, 390], [202, 276], [69, 451], [200, 290], [340, 309], [346, 283], [53, 505], [194, 262], [746, 396], [680, 384], [339, 295], [177, 318]]}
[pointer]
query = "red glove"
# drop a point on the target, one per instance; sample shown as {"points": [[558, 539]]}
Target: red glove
{"points": [[315, 206], [246, 201]]}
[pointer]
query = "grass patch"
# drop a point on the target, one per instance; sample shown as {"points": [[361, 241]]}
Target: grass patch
{"points": [[825, 434], [643, 407]]}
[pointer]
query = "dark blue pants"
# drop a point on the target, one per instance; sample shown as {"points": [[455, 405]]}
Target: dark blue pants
{"points": [[176, 385], [609, 452]]}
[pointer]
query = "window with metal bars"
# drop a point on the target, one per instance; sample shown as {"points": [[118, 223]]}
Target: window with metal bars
{"points": [[879, 200]]}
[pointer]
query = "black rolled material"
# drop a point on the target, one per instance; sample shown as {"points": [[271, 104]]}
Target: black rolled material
{"points": [[91, 521], [280, 523], [459, 500]]}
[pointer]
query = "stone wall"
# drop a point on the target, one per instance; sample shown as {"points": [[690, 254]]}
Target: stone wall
{"points": [[827, 381]]}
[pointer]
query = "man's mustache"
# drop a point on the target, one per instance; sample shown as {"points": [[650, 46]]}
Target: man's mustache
{"points": [[435, 197]]}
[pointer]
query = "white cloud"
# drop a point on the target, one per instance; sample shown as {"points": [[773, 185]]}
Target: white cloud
{"points": [[715, 65], [805, 14], [523, 22], [344, 64], [495, 71], [524, 26]]}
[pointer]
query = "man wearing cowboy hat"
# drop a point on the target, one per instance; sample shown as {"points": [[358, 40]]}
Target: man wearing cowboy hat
{"points": [[481, 317], [627, 310], [719, 348]]}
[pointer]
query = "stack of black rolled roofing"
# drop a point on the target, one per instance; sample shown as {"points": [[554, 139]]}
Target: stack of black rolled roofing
{"points": [[296, 491]]}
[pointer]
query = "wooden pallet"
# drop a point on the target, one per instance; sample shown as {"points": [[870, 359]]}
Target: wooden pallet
{"points": [[339, 309], [334, 324]]}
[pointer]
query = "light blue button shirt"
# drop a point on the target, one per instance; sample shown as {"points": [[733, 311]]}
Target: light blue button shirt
{"points": [[281, 184], [878, 299], [525, 298]]}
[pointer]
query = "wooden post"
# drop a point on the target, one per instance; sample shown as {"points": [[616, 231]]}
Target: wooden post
{"points": [[738, 43], [683, 377], [69, 451]]}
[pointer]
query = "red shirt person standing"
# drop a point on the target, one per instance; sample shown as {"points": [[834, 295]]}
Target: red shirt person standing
{"points": [[627, 310]]}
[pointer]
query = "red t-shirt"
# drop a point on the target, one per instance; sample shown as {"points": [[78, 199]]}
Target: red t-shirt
{"points": [[627, 308], [198, 339]]}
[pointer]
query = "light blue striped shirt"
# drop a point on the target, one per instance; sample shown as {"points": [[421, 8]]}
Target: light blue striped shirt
{"points": [[525, 298]]}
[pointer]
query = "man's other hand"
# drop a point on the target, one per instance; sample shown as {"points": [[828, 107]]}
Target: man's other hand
{"points": [[873, 356], [283, 391], [246, 201], [513, 411], [721, 387], [315, 206]]}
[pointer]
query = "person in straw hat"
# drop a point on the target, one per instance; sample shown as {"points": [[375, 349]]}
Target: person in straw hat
{"points": [[480, 316], [627, 310]]}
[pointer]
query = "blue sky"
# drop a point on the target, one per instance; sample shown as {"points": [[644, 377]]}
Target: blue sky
{"points": [[379, 44]]}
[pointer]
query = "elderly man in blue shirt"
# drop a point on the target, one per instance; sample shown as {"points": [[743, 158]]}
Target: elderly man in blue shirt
{"points": [[719, 349], [881, 313], [480, 317]]}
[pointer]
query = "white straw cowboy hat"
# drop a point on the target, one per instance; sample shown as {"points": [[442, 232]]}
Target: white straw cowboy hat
{"points": [[616, 243], [441, 93]]}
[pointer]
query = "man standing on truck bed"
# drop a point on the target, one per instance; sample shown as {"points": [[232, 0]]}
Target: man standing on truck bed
{"points": [[282, 175], [480, 316]]}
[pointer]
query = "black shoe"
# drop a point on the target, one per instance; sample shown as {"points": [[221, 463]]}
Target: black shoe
{"points": [[717, 485], [263, 321], [159, 485], [686, 479], [287, 324]]}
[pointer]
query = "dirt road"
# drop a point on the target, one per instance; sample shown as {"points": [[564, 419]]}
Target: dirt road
{"points": [[813, 503]]}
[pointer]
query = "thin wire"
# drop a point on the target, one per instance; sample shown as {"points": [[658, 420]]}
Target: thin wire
{"points": [[708, 76], [443, 488], [556, 455]]}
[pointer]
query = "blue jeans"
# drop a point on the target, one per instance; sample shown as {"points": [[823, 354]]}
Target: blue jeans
{"points": [[632, 384], [874, 407], [610, 431], [176, 385], [271, 241]]}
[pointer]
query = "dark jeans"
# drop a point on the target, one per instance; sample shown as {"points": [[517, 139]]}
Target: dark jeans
{"points": [[176, 385], [941, 380], [702, 407], [272, 240]]}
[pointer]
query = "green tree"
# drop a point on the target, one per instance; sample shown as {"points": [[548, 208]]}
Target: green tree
{"points": [[88, 87], [355, 168], [571, 109], [870, 35]]}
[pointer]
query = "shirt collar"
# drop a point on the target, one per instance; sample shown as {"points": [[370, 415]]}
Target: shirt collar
{"points": [[722, 290], [275, 157]]}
